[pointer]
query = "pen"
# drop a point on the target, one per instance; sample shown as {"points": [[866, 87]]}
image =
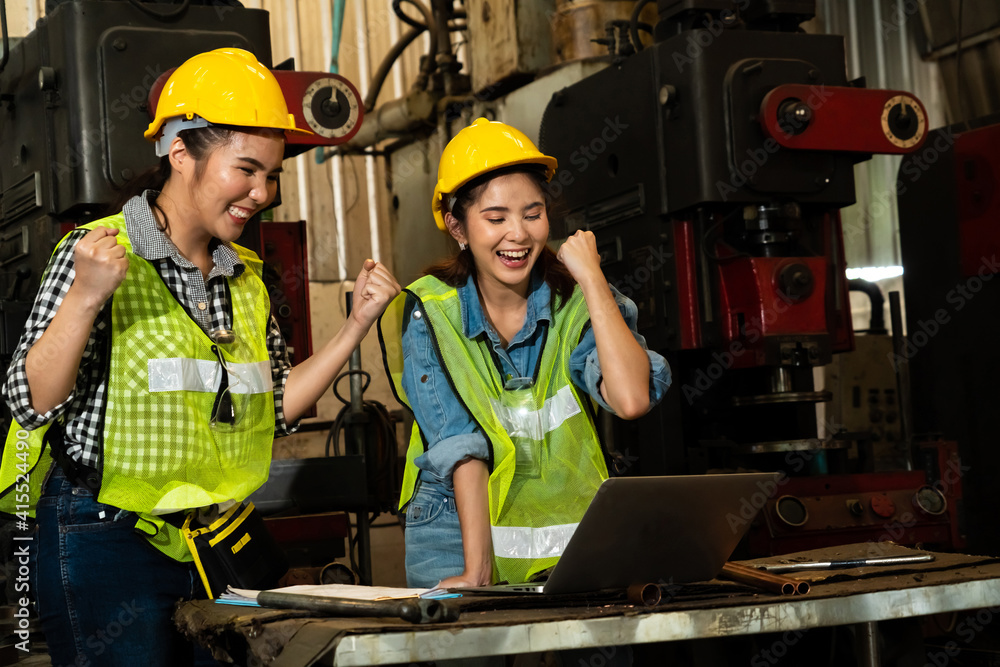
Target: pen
{"points": [[841, 564]]}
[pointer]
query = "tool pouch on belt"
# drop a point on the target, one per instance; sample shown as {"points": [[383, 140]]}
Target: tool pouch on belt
{"points": [[235, 550]]}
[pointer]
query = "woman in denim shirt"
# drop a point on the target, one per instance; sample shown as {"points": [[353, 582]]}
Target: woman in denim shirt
{"points": [[509, 287]]}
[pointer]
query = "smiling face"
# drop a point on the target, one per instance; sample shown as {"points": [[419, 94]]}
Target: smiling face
{"points": [[506, 228], [233, 181]]}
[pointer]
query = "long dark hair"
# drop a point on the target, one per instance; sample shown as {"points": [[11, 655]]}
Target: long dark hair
{"points": [[455, 270], [199, 142]]}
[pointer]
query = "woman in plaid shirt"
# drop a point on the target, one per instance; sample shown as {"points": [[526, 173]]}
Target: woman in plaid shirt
{"points": [[151, 358]]}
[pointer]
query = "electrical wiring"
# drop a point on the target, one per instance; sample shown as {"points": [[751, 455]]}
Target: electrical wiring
{"points": [[380, 453]]}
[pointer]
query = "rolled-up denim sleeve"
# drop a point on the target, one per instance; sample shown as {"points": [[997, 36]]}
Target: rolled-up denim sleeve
{"points": [[585, 367], [448, 429]]}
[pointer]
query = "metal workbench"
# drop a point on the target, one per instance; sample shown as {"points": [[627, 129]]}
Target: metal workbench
{"points": [[498, 626]]}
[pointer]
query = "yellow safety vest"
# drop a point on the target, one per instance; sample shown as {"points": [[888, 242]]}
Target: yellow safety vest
{"points": [[159, 452], [546, 457]]}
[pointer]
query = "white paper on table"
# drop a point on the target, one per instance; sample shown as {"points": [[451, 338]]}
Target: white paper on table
{"points": [[333, 591]]}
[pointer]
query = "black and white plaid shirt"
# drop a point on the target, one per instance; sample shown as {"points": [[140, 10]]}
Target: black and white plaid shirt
{"points": [[205, 301]]}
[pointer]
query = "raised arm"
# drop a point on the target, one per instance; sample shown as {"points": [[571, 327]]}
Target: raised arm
{"points": [[52, 363], [373, 290], [624, 364]]}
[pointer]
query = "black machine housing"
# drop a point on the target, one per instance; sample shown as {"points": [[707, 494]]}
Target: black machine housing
{"points": [[72, 112], [672, 133]]}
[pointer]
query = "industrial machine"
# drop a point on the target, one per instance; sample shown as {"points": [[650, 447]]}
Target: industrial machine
{"points": [[75, 96], [948, 211], [711, 166]]}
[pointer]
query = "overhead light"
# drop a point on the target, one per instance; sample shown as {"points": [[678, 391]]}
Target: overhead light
{"points": [[875, 273]]}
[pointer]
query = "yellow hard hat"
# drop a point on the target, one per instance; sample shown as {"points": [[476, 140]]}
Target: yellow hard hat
{"points": [[224, 87], [478, 149]]}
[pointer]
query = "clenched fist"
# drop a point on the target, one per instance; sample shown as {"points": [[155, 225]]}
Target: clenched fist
{"points": [[579, 254], [100, 265], [373, 290]]}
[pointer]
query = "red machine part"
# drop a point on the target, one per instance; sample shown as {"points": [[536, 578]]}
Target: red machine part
{"points": [[753, 299], [813, 512], [286, 275], [977, 165], [749, 290], [308, 96], [940, 460], [687, 285], [836, 118]]}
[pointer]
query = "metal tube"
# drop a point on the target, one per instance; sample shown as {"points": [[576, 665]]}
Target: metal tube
{"points": [[867, 638], [853, 40], [414, 610], [901, 363], [758, 578], [648, 595], [842, 564], [781, 380], [356, 444]]}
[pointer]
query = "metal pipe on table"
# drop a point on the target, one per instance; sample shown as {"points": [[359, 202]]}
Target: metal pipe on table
{"points": [[777, 568], [414, 610], [648, 595], [765, 580]]}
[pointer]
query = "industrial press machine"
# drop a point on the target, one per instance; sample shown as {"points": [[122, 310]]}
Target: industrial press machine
{"points": [[711, 165]]}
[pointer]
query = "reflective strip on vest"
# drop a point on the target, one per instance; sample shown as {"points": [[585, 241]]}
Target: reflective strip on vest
{"points": [[533, 543], [534, 424], [181, 374]]}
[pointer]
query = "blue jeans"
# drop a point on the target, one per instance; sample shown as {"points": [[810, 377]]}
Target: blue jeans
{"points": [[433, 538], [105, 596]]}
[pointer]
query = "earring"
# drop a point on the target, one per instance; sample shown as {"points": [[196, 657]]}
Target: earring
{"points": [[462, 246]]}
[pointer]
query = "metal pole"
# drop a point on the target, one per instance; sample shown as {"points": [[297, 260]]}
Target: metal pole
{"points": [[414, 610], [867, 642], [357, 445], [901, 363]]}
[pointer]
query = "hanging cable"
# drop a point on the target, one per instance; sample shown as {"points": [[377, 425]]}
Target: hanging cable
{"points": [[3, 35], [381, 458], [634, 24], [378, 79]]}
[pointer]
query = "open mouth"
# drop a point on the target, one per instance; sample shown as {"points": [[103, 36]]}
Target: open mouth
{"points": [[239, 215], [514, 258]]}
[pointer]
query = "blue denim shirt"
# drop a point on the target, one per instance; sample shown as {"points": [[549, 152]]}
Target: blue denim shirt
{"points": [[449, 430]]}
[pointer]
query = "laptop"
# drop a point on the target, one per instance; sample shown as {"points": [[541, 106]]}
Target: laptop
{"points": [[667, 530]]}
